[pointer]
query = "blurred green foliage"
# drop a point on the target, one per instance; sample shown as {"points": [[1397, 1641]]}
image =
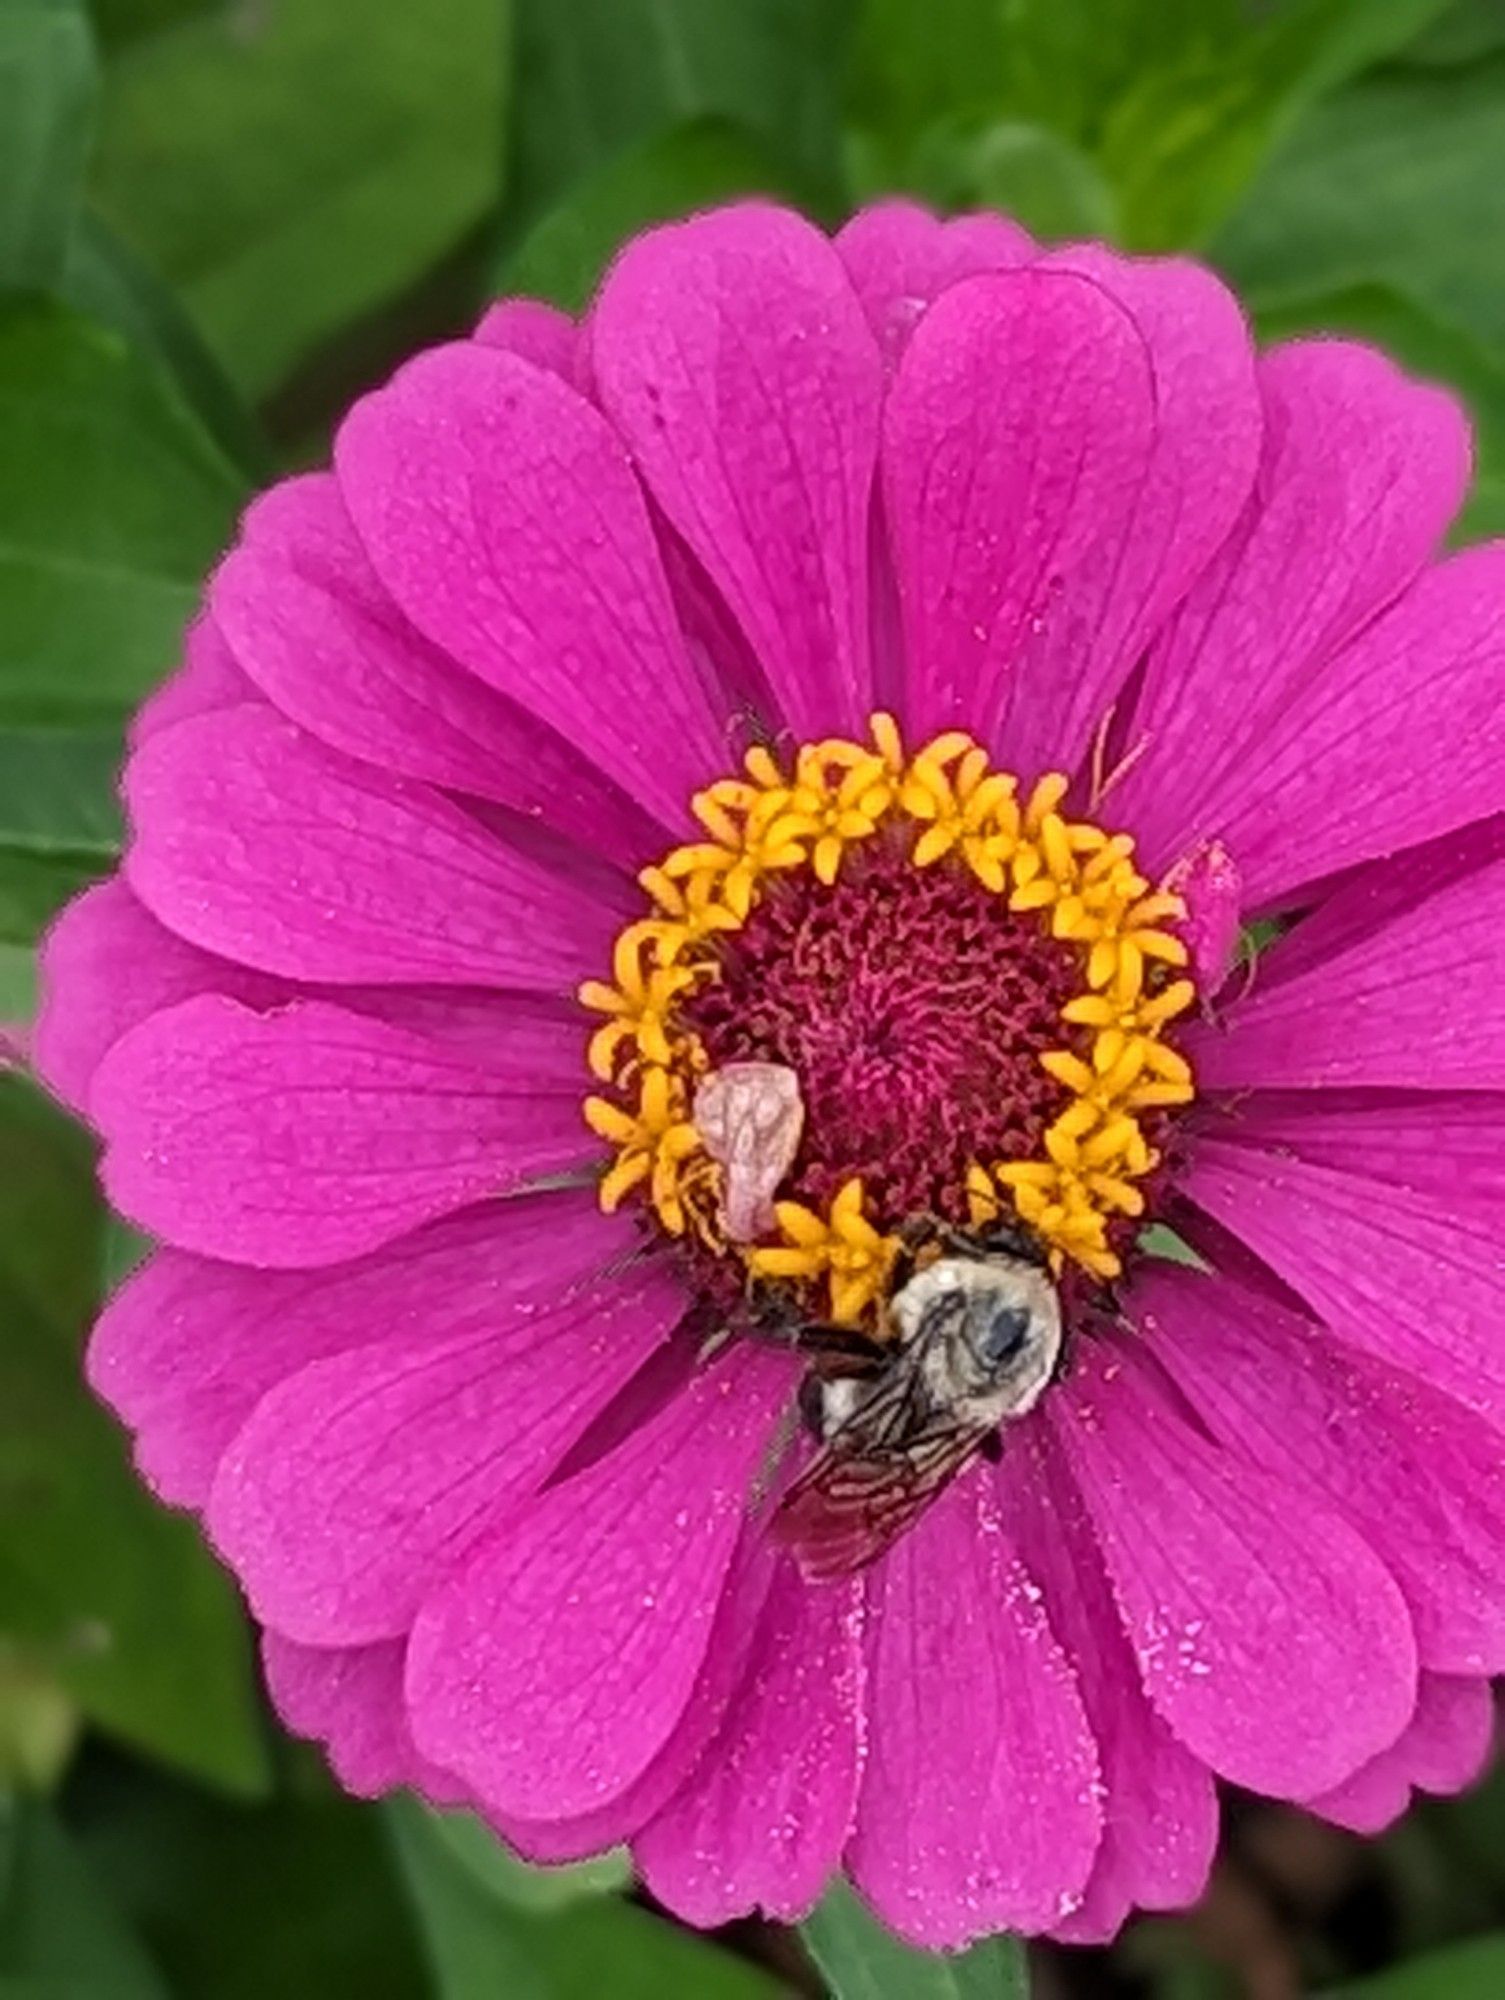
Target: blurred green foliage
{"points": [[490, 1931], [219, 219], [290, 168], [111, 1597], [862, 1961]]}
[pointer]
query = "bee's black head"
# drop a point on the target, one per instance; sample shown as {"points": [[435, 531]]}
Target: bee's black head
{"points": [[998, 1330]]}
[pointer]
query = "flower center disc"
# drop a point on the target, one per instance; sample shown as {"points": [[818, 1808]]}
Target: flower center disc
{"points": [[966, 994], [913, 1005]]}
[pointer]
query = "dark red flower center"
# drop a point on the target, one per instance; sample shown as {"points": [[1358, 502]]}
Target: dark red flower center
{"points": [[914, 1006]]}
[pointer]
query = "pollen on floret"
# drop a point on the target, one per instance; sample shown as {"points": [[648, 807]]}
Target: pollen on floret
{"points": [[656, 1143], [975, 990], [841, 1247]]}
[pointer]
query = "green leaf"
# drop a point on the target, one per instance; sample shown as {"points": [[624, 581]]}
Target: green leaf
{"points": [[599, 77], [1046, 182], [18, 989], [120, 21], [1160, 1241], [922, 62], [1259, 936], [39, 1729], [863, 1961], [113, 1598], [293, 168], [1430, 349], [57, 791], [122, 1250], [1472, 1971], [1175, 104], [113, 503], [48, 86], [1393, 182], [58, 1930], [292, 1899], [1182, 143], [59, 821], [107, 282], [50, 1219], [501, 1873], [33, 888], [1070, 63], [1461, 34], [691, 167], [46, 101], [483, 1945], [1027, 171]]}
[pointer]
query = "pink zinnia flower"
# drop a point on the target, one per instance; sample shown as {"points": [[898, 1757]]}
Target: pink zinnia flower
{"points": [[916, 519]]}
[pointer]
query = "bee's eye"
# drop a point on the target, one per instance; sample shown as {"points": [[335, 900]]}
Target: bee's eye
{"points": [[1003, 1333]]}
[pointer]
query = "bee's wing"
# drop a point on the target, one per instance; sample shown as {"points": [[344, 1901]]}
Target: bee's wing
{"points": [[847, 1508], [877, 1473]]}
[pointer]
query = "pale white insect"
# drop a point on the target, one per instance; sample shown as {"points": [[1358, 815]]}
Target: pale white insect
{"points": [[749, 1116]]}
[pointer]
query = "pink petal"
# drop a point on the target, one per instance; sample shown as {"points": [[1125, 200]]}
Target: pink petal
{"points": [[761, 1822], [1188, 494], [109, 964], [538, 333], [1442, 1750], [732, 355], [1417, 1476], [515, 1034], [1160, 1810], [307, 618], [1016, 438], [979, 1809], [1361, 901], [310, 1135], [1267, 1633], [899, 257], [1418, 1002], [362, 1482], [1401, 736], [350, 1700], [505, 520], [1446, 1147], [715, 641], [106, 964], [252, 840], [186, 1348], [556, 1665], [209, 678], [749, 1579], [1362, 472], [1416, 1281]]}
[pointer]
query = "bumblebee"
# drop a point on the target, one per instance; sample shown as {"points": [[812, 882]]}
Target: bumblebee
{"points": [[970, 1336]]}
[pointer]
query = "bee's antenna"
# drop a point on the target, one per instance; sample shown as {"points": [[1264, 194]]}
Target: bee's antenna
{"points": [[626, 1260], [561, 1182], [768, 1478], [1103, 780]]}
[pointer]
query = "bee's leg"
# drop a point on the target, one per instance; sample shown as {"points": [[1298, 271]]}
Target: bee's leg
{"points": [[903, 1268], [773, 1313], [916, 1233], [1111, 1301], [1008, 1237], [991, 1447], [1064, 1356], [810, 1399], [857, 1352]]}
